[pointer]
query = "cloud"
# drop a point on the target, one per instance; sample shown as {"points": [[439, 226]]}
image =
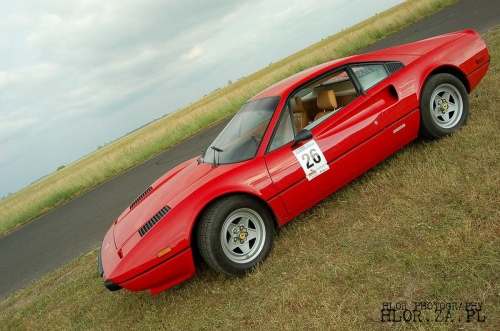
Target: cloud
{"points": [[77, 74], [11, 127], [28, 75], [195, 52]]}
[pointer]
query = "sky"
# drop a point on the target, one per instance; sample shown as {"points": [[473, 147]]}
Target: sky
{"points": [[75, 75]]}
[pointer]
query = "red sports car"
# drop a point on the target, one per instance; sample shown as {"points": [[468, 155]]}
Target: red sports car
{"points": [[289, 147]]}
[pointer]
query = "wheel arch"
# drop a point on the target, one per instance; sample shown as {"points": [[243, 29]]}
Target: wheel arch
{"points": [[194, 228], [448, 69]]}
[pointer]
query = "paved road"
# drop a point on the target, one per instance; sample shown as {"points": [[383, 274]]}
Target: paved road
{"points": [[77, 227]]}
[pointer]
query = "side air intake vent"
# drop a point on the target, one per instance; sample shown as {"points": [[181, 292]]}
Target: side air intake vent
{"points": [[141, 197], [394, 67], [155, 219]]}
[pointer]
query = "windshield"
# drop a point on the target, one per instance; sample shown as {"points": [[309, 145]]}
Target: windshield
{"points": [[241, 138]]}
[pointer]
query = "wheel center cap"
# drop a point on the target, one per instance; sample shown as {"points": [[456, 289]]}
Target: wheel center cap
{"points": [[243, 235]]}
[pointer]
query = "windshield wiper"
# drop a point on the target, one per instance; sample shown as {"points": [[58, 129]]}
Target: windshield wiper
{"points": [[218, 150]]}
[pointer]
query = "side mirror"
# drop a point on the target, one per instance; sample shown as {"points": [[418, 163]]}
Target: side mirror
{"points": [[301, 136]]}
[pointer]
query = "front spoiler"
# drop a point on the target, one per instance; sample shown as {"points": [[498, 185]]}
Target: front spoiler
{"points": [[159, 278], [107, 283]]}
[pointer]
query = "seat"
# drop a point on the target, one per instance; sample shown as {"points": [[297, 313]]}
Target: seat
{"points": [[327, 102], [299, 113]]}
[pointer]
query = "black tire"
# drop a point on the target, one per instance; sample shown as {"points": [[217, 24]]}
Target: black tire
{"points": [[444, 106], [235, 234]]}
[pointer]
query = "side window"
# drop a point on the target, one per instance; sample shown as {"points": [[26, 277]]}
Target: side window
{"points": [[284, 134], [325, 96], [370, 74], [313, 103]]}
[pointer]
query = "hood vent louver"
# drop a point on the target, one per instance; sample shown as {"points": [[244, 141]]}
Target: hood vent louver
{"points": [[155, 219], [149, 189], [394, 67]]}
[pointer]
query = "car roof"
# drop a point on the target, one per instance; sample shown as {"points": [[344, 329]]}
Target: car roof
{"points": [[405, 53], [285, 86]]}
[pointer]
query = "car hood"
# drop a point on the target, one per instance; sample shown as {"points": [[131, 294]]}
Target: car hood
{"points": [[157, 197]]}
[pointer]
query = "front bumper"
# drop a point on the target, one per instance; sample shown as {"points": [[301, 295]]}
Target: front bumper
{"points": [[107, 283], [157, 279]]}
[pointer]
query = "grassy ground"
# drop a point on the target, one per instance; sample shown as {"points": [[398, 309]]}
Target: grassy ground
{"points": [[421, 226], [115, 158]]}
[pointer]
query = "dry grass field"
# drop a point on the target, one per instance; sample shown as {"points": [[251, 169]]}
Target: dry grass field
{"points": [[90, 171], [422, 226]]}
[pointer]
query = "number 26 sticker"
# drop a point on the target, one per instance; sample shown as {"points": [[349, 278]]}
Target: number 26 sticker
{"points": [[311, 159]]}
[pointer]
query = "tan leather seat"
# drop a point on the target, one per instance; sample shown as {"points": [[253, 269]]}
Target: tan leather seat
{"points": [[327, 102], [299, 113]]}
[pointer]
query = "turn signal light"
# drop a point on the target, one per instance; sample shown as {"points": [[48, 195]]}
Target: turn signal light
{"points": [[164, 252]]}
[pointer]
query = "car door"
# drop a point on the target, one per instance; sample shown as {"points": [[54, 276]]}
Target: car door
{"points": [[347, 140]]}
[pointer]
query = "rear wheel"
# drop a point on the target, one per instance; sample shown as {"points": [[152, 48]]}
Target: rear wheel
{"points": [[235, 234], [444, 106]]}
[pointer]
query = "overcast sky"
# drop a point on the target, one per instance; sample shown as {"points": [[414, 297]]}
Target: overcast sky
{"points": [[78, 74]]}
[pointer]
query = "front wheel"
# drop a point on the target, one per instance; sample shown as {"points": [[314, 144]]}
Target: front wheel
{"points": [[444, 106], [235, 234]]}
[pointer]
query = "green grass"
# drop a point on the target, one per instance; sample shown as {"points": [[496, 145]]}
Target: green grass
{"points": [[421, 226], [90, 171]]}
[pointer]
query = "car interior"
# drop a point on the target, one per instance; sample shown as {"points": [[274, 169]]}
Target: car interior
{"points": [[313, 102], [321, 98]]}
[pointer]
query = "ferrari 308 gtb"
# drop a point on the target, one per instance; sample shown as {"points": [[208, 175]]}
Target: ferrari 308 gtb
{"points": [[286, 149]]}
